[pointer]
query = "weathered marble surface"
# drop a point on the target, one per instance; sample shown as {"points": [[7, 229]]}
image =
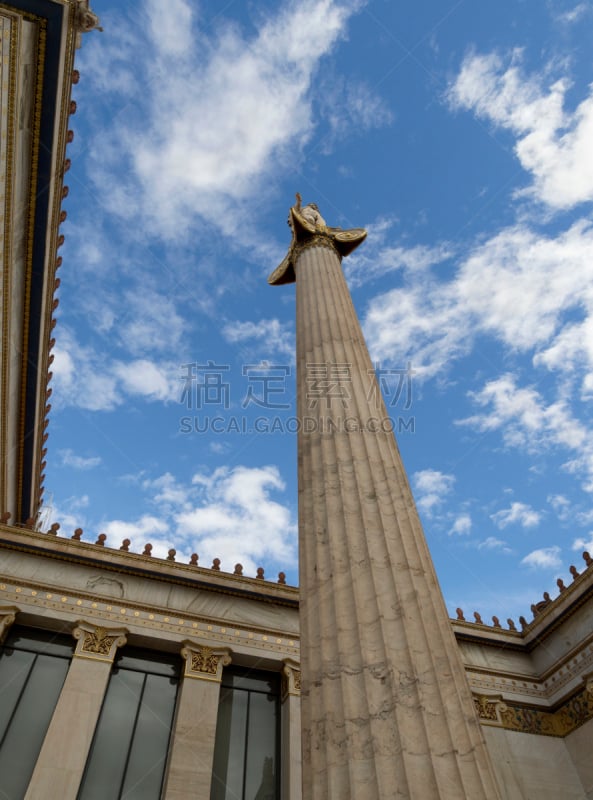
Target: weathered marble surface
{"points": [[387, 711], [533, 767], [578, 745]]}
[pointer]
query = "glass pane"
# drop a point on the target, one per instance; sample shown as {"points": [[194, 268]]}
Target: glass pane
{"points": [[262, 735], [14, 672], [29, 724], [40, 641], [146, 765], [229, 750], [145, 661], [254, 681], [109, 752]]}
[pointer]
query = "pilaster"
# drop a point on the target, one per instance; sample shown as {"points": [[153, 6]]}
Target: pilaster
{"points": [[291, 730], [194, 731], [63, 756]]}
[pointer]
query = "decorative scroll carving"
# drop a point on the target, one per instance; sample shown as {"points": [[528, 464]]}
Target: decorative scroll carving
{"points": [[291, 678], [202, 661], [486, 707], [97, 642], [7, 617]]}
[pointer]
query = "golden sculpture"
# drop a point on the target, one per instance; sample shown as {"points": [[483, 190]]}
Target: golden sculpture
{"points": [[309, 229]]}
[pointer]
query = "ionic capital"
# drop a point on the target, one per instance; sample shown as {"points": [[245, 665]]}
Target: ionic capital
{"points": [[96, 642], [7, 617], [204, 662], [291, 678]]}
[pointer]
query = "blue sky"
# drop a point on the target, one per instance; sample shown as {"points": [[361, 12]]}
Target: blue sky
{"points": [[459, 134]]}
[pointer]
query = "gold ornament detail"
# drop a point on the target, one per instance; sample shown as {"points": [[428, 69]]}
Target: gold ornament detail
{"points": [[485, 707], [309, 230], [99, 641], [204, 660]]}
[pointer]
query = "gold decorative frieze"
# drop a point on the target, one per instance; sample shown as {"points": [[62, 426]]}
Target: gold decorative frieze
{"points": [[205, 662], [291, 678], [559, 722], [108, 612], [97, 642], [7, 617]]}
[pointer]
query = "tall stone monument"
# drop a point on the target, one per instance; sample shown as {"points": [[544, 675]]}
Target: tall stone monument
{"points": [[386, 709]]}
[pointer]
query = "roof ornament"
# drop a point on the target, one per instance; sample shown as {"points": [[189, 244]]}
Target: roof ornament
{"points": [[85, 20]]}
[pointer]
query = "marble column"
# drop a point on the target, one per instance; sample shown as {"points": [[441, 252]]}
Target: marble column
{"points": [[386, 708], [194, 731], [63, 756], [291, 730]]}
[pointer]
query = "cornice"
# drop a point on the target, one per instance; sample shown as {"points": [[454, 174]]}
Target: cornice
{"points": [[549, 615], [146, 566]]}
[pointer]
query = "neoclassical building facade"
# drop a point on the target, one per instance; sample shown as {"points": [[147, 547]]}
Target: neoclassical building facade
{"points": [[126, 675]]}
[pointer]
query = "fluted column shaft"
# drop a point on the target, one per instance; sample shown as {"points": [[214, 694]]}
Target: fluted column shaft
{"points": [[387, 712]]}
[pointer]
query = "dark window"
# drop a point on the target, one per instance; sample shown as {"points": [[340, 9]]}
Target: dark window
{"points": [[129, 749], [33, 667], [246, 755]]}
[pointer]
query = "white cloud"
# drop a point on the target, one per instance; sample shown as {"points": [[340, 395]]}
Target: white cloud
{"points": [[146, 379], [544, 558], [528, 422], [379, 256], [168, 492], [561, 506], [271, 335], [150, 322], [553, 144], [573, 14], [87, 379], [518, 286], [582, 543], [147, 528], [462, 524], [70, 459], [430, 489], [492, 543], [235, 518], [245, 110], [519, 513], [524, 417]]}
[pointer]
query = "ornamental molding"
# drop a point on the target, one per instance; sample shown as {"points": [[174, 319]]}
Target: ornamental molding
{"points": [[97, 642], [544, 687], [152, 620], [205, 662], [557, 722], [7, 618]]}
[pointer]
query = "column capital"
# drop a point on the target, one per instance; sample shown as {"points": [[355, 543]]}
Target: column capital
{"points": [[309, 230], [96, 642], [204, 662], [291, 678], [7, 617]]}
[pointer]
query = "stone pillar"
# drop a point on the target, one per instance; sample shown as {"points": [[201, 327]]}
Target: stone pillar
{"points": [[63, 756], [7, 618], [386, 707], [194, 731], [291, 730]]}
